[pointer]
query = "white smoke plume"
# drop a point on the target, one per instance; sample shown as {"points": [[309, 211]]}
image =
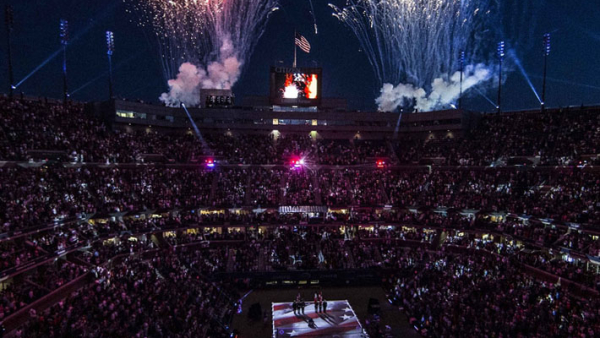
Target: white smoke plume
{"points": [[220, 74], [443, 92]]}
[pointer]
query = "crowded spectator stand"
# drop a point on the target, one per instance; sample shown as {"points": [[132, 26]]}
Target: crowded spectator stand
{"points": [[85, 216]]}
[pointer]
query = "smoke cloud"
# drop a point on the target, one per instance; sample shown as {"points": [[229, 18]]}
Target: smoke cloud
{"points": [[444, 92], [220, 74]]}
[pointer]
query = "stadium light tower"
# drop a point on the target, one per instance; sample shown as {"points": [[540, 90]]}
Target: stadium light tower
{"points": [[110, 48], [546, 53], [64, 41], [8, 21], [462, 69], [501, 59]]}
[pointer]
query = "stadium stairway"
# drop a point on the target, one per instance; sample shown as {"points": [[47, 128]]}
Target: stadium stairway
{"points": [[263, 257], [283, 183], [393, 155], [561, 238], [377, 254], [383, 193], [248, 191], [231, 260], [159, 240], [348, 251], [31, 245], [318, 249], [439, 239], [213, 188], [316, 190]]}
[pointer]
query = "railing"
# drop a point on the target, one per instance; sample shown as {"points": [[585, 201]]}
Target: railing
{"points": [[573, 287], [21, 316], [174, 227], [363, 166], [284, 278], [293, 278]]}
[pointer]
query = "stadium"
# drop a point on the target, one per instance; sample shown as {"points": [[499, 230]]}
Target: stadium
{"points": [[290, 210]]}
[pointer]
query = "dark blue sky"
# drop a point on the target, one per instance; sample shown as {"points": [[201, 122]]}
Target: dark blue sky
{"points": [[574, 67]]}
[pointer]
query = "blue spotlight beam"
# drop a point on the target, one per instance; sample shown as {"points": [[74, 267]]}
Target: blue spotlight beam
{"points": [[71, 41], [514, 56], [89, 83], [140, 86], [50, 58], [397, 129], [485, 97], [119, 65], [196, 130], [566, 82]]}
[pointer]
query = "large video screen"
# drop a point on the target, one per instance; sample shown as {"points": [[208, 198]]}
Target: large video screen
{"points": [[295, 86]]}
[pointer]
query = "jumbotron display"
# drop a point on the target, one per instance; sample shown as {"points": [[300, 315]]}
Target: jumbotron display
{"points": [[295, 86]]}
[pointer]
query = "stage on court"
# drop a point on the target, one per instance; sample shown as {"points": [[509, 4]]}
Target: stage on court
{"points": [[339, 321]]}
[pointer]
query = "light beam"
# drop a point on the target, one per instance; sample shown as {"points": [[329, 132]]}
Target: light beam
{"points": [[519, 65]]}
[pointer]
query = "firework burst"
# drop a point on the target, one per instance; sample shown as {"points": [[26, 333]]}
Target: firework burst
{"points": [[202, 31], [415, 40], [414, 46]]}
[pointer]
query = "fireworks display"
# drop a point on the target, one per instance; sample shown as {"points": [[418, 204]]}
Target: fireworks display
{"points": [[216, 37], [417, 41], [314, 17], [413, 46]]}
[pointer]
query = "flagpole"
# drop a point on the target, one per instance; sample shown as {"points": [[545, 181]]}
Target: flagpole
{"points": [[295, 48]]}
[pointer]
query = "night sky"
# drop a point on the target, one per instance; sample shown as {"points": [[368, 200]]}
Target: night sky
{"points": [[574, 66]]}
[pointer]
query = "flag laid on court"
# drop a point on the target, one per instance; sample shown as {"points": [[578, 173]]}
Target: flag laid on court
{"points": [[339, 321]]}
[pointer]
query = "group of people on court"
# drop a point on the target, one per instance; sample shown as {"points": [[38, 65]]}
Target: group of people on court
{"points": [[320, 304]]}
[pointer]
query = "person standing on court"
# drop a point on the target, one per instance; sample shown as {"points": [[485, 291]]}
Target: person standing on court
{"points": [[320, 301], [324, 306]]}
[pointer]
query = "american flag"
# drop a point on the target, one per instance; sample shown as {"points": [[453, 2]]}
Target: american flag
{"points": [[339, 321], [302, 43]]}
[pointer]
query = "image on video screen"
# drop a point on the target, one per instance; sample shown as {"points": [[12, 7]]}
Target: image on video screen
{"points": [[297, 86]]}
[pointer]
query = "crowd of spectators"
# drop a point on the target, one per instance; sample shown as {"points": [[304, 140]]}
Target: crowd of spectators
{"points": [[56, 274], [78, 214], [419, 284], [291, 248], [29, 126], [307, 250], [448, 295], [15, 254], [557, 137], [265, 189], [231, 189], [352, 187], [155, 298], [16, 296], [299, 188], [34, 197], [37, 283], [56, 240]]}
